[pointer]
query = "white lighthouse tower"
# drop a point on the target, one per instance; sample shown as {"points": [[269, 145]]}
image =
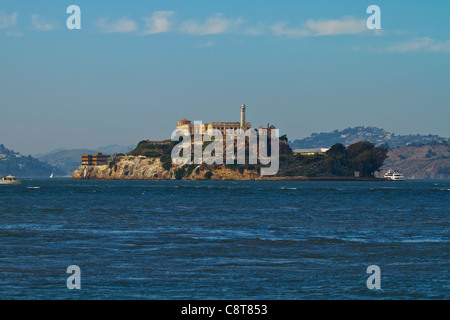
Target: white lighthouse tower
{"points": [[243, 116]]}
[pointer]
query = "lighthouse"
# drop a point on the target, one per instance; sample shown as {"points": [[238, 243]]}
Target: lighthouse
{"points": [[243, 116]]}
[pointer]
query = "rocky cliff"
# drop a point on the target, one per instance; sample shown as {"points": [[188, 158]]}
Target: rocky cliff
{"points": [[144, 168]]}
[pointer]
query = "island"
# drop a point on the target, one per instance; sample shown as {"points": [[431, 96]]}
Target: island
{"points": [[151, 160]]}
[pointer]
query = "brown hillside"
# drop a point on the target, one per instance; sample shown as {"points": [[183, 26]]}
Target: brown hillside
{"points": [[420, 162]]}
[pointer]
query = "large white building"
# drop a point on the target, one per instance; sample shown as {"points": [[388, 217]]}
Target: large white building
{"points": [[221, 126], [310, 151]]}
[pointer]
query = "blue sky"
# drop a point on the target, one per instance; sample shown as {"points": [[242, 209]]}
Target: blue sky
{"points": [[136, 67]]}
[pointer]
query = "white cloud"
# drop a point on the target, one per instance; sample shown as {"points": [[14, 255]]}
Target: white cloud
{"points": [[322, 27], [159, 22], [256, 30], [213, 25], [425, 44], [281, 29], [209, 43], [14, 33], [8, 21], [122, 25], [337, 27], [40, 24]]}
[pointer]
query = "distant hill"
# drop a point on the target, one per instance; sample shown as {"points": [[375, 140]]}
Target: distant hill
{"points": [[69, 160], [39, 155], [115, 148], [24, 166], [430, 161], [375, 135]]}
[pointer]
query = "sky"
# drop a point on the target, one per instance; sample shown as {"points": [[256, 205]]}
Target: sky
{"points": [[137, 67]]}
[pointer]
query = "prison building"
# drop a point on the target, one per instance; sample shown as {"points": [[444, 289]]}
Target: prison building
{"points": [[185, 124], [97, 159]]}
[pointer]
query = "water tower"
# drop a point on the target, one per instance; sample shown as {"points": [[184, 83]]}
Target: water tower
{"points": [[243, 116]]}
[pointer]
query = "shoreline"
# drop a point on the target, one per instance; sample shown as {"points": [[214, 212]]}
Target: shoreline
{"points": [[302, 178], [296, 178], [137, 168]]}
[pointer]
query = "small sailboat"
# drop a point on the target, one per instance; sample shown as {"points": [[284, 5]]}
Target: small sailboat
{"points": [[51, 176]]}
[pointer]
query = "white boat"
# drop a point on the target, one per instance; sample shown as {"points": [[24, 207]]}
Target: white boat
{"points": [[394, 175], [10, 180], [51, 176]]}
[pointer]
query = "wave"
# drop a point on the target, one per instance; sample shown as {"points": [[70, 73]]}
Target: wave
{"points": [[211, 187], [381, 188], [31, 227], [426, 240], [329, 189]]}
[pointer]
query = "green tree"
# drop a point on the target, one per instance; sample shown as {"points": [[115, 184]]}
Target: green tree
{"points": [[336, 160], [365, 158], [151, 154], [180, 173], [208, 175]]}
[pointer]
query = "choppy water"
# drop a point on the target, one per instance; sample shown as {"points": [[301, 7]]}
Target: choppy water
{"points": [[224, 240]]}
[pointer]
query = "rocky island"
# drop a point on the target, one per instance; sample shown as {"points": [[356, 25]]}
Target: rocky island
{"points": [[144, 168], [151, 160]]}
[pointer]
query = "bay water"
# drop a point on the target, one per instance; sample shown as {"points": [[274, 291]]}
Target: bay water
{"points": [[257, 240]]}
